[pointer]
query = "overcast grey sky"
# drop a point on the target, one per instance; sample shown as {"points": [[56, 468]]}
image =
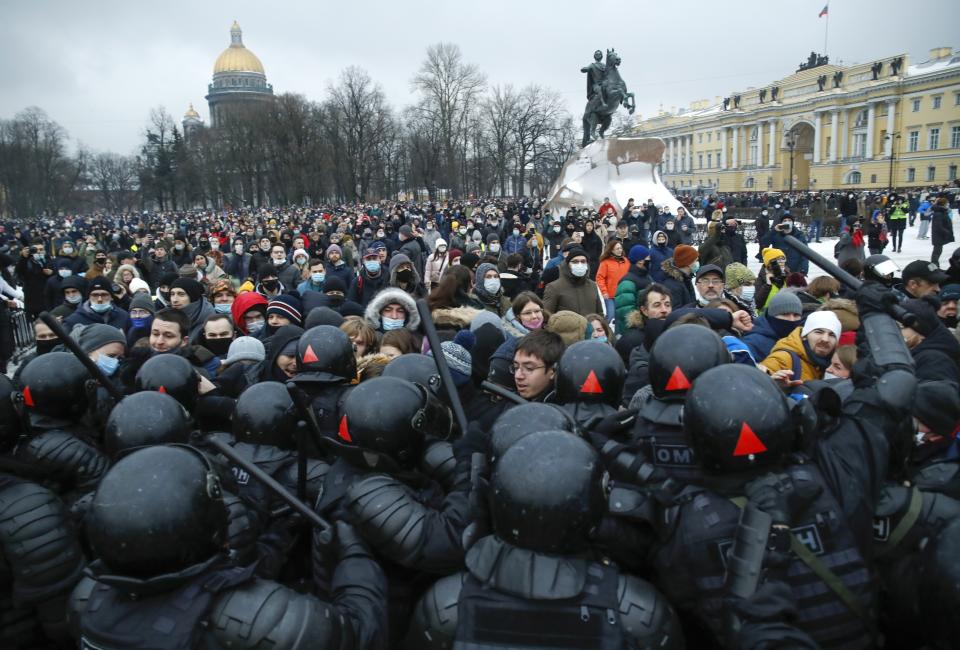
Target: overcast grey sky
{"points": [[97, 67]]}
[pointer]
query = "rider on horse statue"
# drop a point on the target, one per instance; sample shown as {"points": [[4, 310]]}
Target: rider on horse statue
{"points": [[606, 91]]}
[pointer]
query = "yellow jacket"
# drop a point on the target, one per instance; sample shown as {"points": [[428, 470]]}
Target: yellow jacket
{"points": [[788, 350]]}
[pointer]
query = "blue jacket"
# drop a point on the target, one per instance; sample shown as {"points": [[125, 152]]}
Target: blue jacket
{"points": [[657, 255], [83, 315], [762, 338], [515, 244]]}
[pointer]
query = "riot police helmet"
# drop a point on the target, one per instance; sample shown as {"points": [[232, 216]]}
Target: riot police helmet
{"points": [[680, 355], [737, 419], [590, 372], [325, 355], [522, 420], [391, 416], [143, 419], [54, 384], [880, 268], [170, 374], [548, 493], [265, 415], [157, 511], [418, 368]]}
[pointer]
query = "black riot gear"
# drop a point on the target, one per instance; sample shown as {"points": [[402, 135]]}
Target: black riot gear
{"points": [[880, 268], [265, 415], [391, 416], [737, 419], [173, 375], [54, 384], [418, 368], [590, 372], [680, 355], [9, 419], [158, 510], [940, 575], [522, 420], [325, 355], [144, 419], [548, 493]]}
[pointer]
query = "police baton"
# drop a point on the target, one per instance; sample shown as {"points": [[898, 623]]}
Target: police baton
{"points": [[271, 484], [896, 311], [496, 389], [87, 362], [426, 319]]}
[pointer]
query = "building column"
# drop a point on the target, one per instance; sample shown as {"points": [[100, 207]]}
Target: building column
{"points": [[834, 119], [760, 152], [772, 153], [723, 148], [844, 134], [683, 153], [669, 155], [871, 125], [736, 147], [817, 134], [888, 145]]}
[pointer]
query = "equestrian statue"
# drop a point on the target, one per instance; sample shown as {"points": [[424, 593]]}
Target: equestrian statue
{"points": [[606, 92]]}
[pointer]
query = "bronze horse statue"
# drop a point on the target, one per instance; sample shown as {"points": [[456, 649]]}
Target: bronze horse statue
{"points": [[602, 105]]}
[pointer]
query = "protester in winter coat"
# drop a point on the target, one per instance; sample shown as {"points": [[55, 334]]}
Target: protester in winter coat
{"points": [[783, 315], [678, 275], [437, 263], [393, 308], [659, 251], [573, 290], [636, 279], [941, 229], [808, 349], [99, 307], [488, 289], [613, 266]]}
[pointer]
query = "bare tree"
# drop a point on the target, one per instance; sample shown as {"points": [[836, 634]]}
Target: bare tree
{"points": [[538, 116], [114, 177], [499, 112], [449, 88]]}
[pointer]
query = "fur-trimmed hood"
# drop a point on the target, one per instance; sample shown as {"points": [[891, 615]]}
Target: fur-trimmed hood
{"points": [[384, 298], [454, 317], [671, 271], [635, 319]]}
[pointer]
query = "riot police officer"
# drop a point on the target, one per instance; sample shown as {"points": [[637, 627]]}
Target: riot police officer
{"points": [[326, 366], [157, 527], [589, 382]]}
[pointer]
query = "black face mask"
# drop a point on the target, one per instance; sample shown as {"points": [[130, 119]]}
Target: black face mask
{"points": [[165, 295], [271, 285], [406, 275], [46, 346], [219, 347]]}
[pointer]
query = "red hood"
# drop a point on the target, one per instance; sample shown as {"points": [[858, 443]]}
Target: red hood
{"points": [[244, 302]]}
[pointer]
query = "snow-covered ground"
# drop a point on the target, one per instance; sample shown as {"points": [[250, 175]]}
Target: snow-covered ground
{"points": [[913, 249]]}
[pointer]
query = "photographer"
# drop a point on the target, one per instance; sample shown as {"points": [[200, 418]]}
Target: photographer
{"points": [[771, 277], [775, 238]]}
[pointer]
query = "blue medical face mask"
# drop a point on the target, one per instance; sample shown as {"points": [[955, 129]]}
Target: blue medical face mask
{"points": [[372, 266], [222, 308], [392, 323], [317, 278], [600, 339], [101, 307], [107, 364], [256, 326]]}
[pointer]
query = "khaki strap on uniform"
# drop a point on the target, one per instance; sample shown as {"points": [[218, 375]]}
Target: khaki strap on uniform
{"points": [[822, 571], [909, 519]]}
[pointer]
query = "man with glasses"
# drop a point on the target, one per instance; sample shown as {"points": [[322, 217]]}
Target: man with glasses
{"points": [[710, 283], [534, 364], [99, 307]]}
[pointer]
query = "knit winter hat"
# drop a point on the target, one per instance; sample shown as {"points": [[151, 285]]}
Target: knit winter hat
{"points": [[193, 289], [244, 348], [100, 284], [483, 318], [137, 284], [637, 253], [492, 237], [334, 248], [785, 302], [333, 283], [825, 320], [937, 405], [96, 336], [684, 255], [738, 275], [145, 302], [770, 254], [287, 306], [570, 326]]}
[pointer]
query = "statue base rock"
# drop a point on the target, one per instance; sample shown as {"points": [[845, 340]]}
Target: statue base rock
{"points": [[619, 168]]}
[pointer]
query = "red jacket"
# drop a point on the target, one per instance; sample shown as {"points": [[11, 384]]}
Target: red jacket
{"points": [[605, 207]]}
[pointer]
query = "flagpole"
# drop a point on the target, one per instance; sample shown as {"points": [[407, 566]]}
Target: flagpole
{"points": [[826, 31]]}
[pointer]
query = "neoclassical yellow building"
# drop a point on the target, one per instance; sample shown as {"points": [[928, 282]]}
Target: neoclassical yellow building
{"points": [[836, 126]]}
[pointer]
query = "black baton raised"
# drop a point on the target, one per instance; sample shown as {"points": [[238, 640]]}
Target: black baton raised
{"points": [[431, 331], [496, 389], [87, 362]]}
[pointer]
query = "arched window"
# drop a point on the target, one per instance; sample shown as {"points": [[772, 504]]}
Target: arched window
{"points": [[861, 121], [753, 134], [748, 183], [854, 178]]}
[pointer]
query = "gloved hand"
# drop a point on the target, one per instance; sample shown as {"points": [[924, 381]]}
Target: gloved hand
{"points": [[778, 495], [874, 298], [615, 424]]}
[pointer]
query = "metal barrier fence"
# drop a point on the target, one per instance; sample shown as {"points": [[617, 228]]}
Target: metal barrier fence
{"points": [[22, 332]]}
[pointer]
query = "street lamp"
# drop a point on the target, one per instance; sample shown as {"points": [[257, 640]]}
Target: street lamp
{"points": [[893, 152], [791, 144]]}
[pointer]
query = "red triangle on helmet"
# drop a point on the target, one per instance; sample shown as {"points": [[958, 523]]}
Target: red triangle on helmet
{"points": [[344, 431], [678, 380], [592, 384], [162, 389], [27, 397], [748, 442], [309, 356]]}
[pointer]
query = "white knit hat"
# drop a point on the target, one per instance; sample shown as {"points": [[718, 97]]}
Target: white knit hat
{"points": [[822, 320]]}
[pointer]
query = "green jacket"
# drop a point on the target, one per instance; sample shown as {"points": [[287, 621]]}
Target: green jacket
{"points": [[628, 290]]}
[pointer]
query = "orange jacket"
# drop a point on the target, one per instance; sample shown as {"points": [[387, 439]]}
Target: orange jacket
{"points": [[610, 273]]}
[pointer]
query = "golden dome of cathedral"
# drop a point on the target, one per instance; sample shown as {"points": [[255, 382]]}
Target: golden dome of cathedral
{"points": [[237, 58], [191, 113]]}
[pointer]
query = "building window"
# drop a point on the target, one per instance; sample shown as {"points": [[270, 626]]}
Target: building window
{"points": [[931, 173], [952, 173], [753, 133], [934, 139], [699, 138], [956, 99], [700, 161], [936, 102], [859, 145], [873, 178], [749, 183], [911, 174], [916, 106], [854, 178], [709, 160], [955, 137], [861, 120], [753, 154], [913, 142]]}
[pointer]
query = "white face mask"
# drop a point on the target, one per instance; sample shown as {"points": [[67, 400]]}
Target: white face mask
{"points": [[491, 285], [579, 270], [747, 292], [830, 375]]}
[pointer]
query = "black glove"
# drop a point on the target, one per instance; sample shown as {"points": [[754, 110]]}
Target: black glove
{"points": [[778, 495], [615, 423], [874, 298]]}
